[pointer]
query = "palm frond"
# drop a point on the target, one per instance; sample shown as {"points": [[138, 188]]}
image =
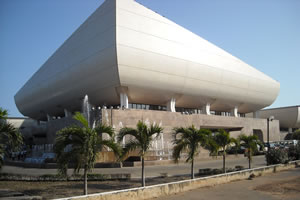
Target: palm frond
{"points": [[103, 128], [130, 146], [3, 113], [189, 139], [249, 142], [114, 147], [79, 117], [141, 127], [128, 131], [180, 146], [10, 137], [212, 146], [155, 129]]}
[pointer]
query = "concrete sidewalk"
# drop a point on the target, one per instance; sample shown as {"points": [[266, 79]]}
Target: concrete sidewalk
{"points": [[283, 185], [151, 171]]}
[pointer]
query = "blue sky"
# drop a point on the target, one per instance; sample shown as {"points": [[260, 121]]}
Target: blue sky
{"points": [[262, 33]]}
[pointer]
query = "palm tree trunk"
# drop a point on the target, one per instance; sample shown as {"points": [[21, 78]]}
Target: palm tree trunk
{"points": [[85, 181], [249, 158], [192, 170], [249, 162], [224, 164], [143, 172]]}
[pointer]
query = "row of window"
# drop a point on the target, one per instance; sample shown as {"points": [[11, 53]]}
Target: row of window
{"points": [[178, 109], [146, 107], [157, 107]]}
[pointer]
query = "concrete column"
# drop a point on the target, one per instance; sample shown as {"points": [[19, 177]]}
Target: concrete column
{"points": [[206, 109], [123, 100], [290, 130], [49, 117], [234, 112], [256, 114], [67, 113], [171, 105]]}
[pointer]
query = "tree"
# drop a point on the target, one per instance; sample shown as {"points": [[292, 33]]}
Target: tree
{"points": [[223, 141], [80, 145], [296, 135], [250, 143], [3, 113], [212, 146], [189, 139], [10, 137], [143, 137]]}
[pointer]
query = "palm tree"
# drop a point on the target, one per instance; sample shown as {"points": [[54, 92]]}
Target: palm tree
{"points": [[80, 145], [250, 143], [143, 137], [190, 139], [10, 137], [212, 146], [3, 113], [223, 141]]}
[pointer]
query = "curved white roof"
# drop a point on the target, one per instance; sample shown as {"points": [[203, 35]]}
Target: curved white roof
{"points": [[289, 117], [124, 46]]}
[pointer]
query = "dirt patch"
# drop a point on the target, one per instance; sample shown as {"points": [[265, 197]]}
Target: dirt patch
{"points": [[60, 189], [286, 188]]}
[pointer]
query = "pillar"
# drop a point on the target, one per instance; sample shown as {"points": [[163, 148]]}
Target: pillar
{"points": [[234, 112], [49, 117], [67, 113], [256, 114], [290, 130], [206, 109], [123, 100], [171, 105]]}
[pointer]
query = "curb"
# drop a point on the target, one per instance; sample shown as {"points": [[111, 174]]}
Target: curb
{"points": [[165, 189]]}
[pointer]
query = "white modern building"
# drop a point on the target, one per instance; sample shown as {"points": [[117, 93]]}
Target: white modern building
{"points": [[128, 55], [289, 117]]}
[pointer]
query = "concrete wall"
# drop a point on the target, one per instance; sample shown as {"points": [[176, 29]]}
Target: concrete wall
{"points": [[30, 128], [170, 120], [161, 190], [57, 124]]}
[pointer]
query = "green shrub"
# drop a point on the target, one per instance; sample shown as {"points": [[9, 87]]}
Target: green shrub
{"points": [[277, 156], [239, 167], [296, 135], [206, 171], [217, 171], [294, 152]]}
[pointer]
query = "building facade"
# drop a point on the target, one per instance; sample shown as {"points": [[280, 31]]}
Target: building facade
{"points": [[289, 118], [126, 54]]}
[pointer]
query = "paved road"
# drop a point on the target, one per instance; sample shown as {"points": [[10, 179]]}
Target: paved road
{"points": [[151, 171], [283, 185]]}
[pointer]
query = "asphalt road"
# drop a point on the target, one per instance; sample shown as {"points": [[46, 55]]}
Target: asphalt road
{"points": [[151, 171]]}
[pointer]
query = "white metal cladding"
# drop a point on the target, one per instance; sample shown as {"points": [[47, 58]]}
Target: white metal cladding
{"points": [[85, 64], [125, 45], [289, 117]]}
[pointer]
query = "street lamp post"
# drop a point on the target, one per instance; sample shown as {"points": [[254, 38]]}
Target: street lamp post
{"points": [[271, 118]]}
